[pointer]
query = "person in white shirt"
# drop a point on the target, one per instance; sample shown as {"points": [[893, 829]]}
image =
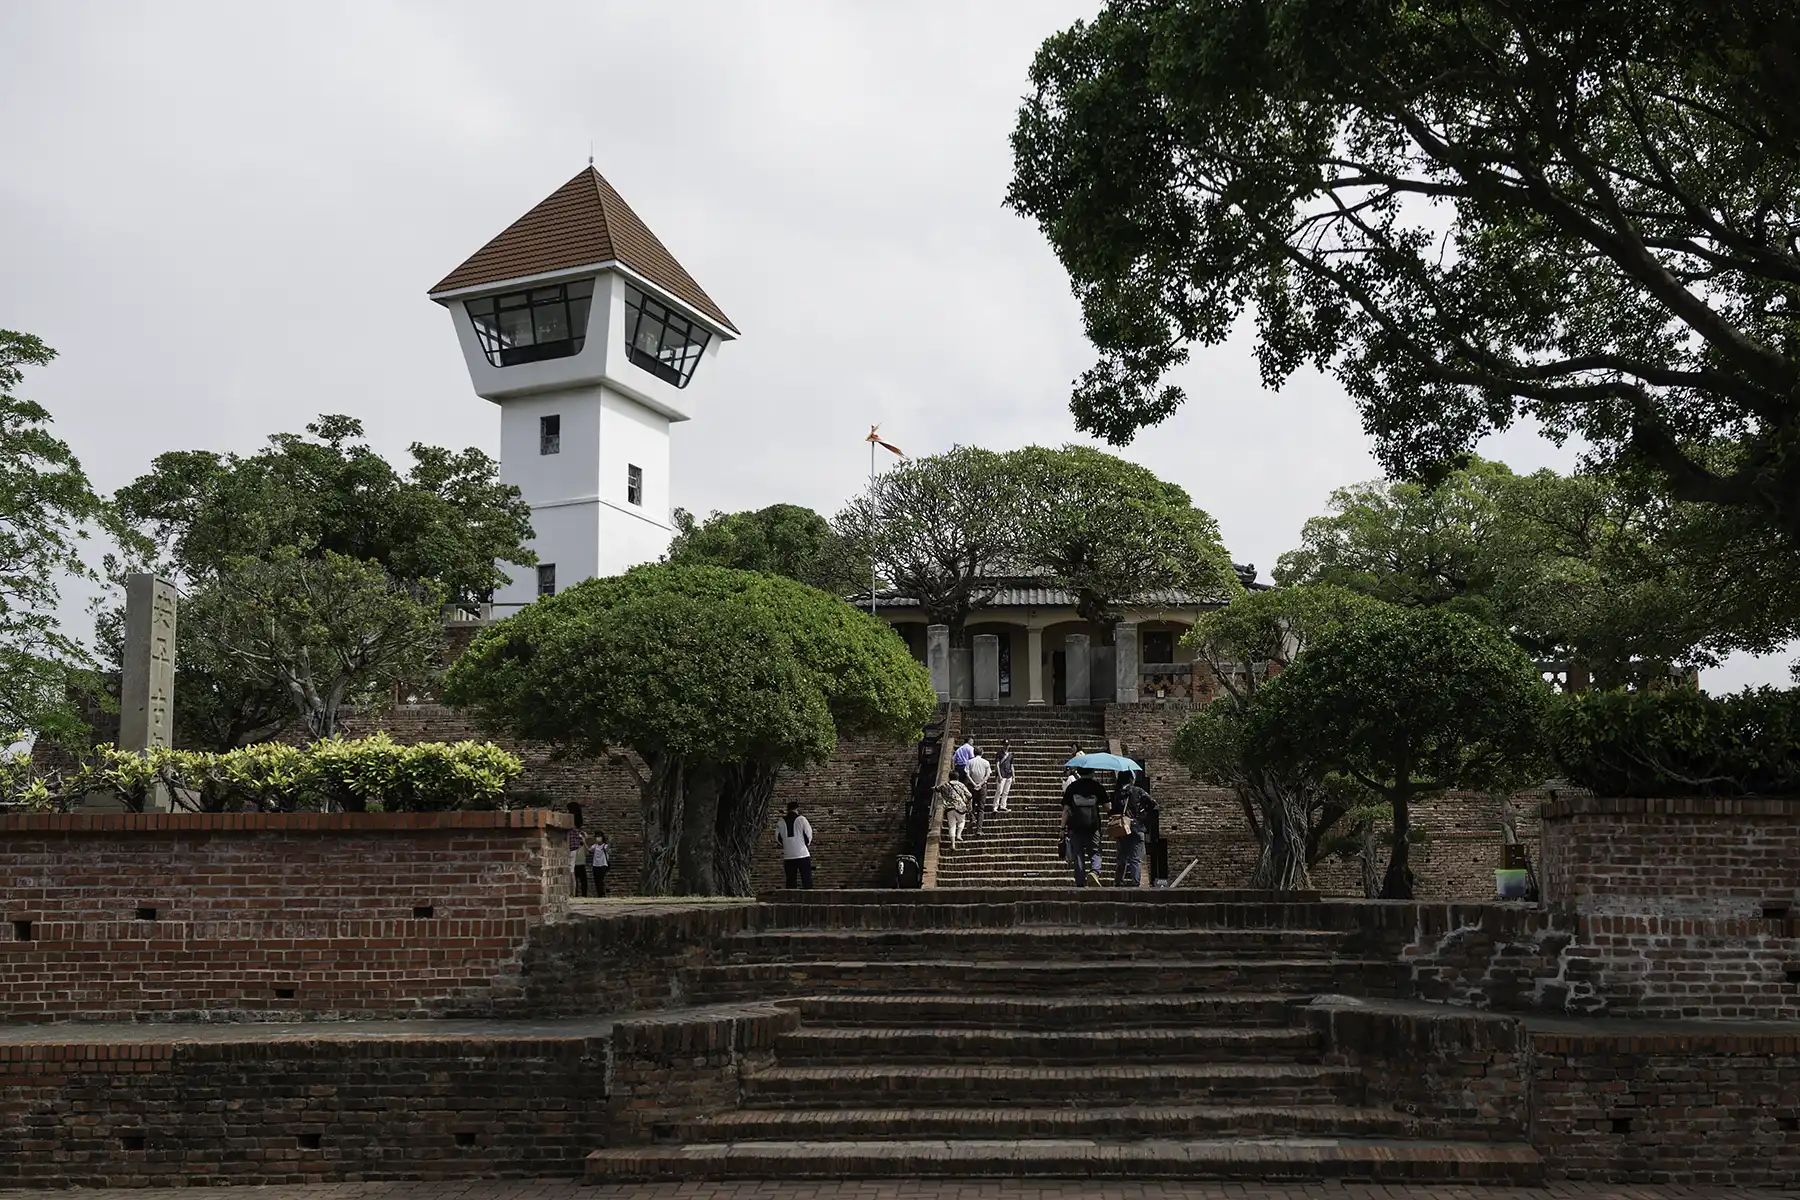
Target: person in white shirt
{"points": [[978, 771], [795, 833], [600, 862]]}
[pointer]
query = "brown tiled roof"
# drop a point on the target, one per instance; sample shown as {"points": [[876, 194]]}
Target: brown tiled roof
{"points": [[583, 221]]}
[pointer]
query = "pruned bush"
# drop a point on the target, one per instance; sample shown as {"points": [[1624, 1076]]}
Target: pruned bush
{"points": [[1679, 742], [372, 774]]}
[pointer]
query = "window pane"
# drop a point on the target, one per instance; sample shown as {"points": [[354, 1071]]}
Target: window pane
{"points": [[581, 287], [482, 306], [546, 579], [551, 322], [515, 327], [547, 295], [578, 318]]}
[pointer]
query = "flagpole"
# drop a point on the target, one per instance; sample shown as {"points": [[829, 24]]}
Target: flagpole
{"points": [[871, 498]]}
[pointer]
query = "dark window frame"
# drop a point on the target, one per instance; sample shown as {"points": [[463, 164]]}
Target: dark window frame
{"points": [[570, 303], [546, 579], [634, 484], [1159, 635], [550, 434], [662, 341]]}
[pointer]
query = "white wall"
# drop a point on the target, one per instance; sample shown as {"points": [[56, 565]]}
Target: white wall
{"points": [[632, 435]]}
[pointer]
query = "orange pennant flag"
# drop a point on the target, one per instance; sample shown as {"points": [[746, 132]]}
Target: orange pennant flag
{"points": [[875, 436]]}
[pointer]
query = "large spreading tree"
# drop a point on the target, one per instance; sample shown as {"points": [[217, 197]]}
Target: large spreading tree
{"points": [[782, 539], [1469, 211], [713, 681], [47, 509], [1113, 534], [1407, 703], [1610, 577], [308, 506]]}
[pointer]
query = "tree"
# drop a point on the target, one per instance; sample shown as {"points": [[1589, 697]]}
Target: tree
{"points": [[782, 539], [1599, 572], [942, 529], [47, 507], [328, 633], [1245, 645], [714, 679], [448, 522], [1113, 533], [442, 529], [1408, 703], [1469, 211]]}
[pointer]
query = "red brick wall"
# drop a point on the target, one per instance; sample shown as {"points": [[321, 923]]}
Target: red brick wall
{"points": [[270, 915], [1456, 862], [1693, 1108], [856, 801], [287, 1109]]}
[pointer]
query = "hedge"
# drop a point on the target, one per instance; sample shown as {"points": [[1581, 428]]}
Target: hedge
{"points": [[1679, 742], [372, 774]]}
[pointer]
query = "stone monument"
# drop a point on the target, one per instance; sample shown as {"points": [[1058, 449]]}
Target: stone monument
{"points": [[147, 681]]}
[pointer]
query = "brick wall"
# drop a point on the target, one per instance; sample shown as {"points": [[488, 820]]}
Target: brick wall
{"points": [[1456, 862], [298, 1110], [164, 916], [856, 801], [1695, 1108]]}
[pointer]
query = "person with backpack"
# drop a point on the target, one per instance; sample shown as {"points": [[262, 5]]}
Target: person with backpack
{"points": [[795, 834], [1082, 802], [1128, 827]]}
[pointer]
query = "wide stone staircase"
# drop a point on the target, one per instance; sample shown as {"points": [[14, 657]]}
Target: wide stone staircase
{"points": [[1055, 1033], [1020, 848]]}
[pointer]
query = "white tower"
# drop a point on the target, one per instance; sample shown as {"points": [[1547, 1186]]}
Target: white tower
{"points": [[591, 338]]}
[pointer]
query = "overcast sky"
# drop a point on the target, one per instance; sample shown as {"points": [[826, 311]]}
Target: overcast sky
{"points": [[224, 216]]}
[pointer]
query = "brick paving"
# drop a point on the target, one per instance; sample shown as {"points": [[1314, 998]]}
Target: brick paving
{"points": [[1048, 1189]]}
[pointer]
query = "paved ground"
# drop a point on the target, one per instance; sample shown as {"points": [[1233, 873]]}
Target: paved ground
{"points": [[908, 1190]]}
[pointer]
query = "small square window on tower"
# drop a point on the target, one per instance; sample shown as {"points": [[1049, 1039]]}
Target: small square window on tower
{"points": [[634, 484], [550, 434], [546, 579]]}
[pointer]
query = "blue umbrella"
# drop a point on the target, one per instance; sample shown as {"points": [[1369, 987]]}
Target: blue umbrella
{"points": [[1103, 762]]}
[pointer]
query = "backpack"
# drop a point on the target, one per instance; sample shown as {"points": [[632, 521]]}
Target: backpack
{"points": [[1084, 812]]}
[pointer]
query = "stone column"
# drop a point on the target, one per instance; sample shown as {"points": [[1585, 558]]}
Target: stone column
{"points": [[1125, 662], [987, 668], [1034, 659], [147, 681], [1075, 667], [937, 660], [959, 674]]}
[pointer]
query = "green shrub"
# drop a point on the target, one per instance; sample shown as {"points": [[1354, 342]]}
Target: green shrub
{"points": [[372, 774], [1679, 742]]}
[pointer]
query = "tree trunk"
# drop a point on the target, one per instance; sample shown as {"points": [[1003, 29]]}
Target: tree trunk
{"points": [[1370, 856], [742, 824], [1281, 852], [701, 804], [661, 799], [1398, 885]]}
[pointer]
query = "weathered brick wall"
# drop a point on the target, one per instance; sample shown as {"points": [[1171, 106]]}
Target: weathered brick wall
{"points": [[668, 1071], [1462, 1074], [1690, 1107], [856, 802], [163, 916], [636, 959], [298, 1110], [1456, 861]]}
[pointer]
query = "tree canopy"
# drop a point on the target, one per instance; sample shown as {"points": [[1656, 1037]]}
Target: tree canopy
{"points": [[1408, 703], [1113, 533], [447, 521], [782, 539], [1469, 211], [1611, 577], [47, 508], [714, 679]]}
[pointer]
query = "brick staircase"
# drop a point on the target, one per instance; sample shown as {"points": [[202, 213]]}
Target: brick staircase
{"points": [[1052, 1033], [1019, 848]]}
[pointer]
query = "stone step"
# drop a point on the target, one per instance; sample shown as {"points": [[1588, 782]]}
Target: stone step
{"points": [[876, 1045], [927, 1084], [1052, 1012], [1134, 1122], [1065, 1158], [1046, 942], [1311, 976]]}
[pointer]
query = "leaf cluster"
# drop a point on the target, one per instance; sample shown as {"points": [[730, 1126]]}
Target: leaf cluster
{"points": [[1678, 741], [782, 539]]}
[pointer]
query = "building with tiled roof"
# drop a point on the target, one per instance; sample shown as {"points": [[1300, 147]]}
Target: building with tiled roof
{"points": [[1028, 645], [593, 339]]}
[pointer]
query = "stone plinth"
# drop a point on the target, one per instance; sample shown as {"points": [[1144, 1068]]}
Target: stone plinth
{"points": [[1077, 688], [987, 668]]}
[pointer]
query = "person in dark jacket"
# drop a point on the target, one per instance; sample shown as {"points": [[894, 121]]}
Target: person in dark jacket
{"points": [[1083, 802], [1130, 801]]}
